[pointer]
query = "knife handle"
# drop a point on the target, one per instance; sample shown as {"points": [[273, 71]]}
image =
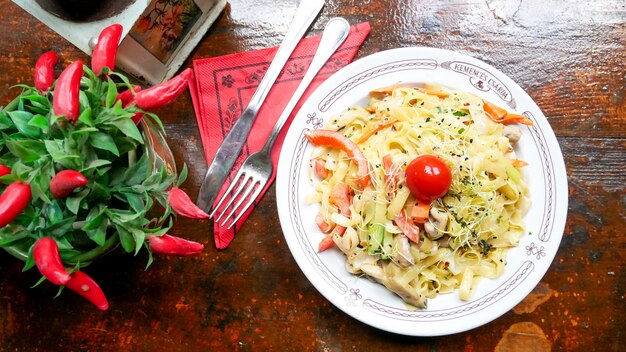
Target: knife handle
{"points": [[305, 14], [335, 33]]}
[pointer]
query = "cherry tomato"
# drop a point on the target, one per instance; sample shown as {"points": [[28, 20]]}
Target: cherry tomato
{"points": [[428, 177]]}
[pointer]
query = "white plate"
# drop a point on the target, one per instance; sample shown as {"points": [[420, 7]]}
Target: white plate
{"points": [[372, 303]]}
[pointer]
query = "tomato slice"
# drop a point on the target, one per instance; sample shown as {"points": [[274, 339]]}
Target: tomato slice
{"points": [[320, 168], [335, 139], [428, 177], [410, 230]]}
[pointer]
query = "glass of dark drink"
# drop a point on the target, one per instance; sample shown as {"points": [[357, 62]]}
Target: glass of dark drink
{"points": [[84, 10]]}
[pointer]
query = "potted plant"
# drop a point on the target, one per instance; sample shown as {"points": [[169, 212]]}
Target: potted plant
{"points": [[84, 169]]}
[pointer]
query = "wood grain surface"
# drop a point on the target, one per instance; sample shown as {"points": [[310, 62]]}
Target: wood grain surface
{"points": [[570, 56]]}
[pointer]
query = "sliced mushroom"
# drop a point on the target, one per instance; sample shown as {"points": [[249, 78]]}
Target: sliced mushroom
{"points": [[409, 295], [437, 222], [374, 272], [351, 269], [402, 250], [358, 259], [512, 133]]}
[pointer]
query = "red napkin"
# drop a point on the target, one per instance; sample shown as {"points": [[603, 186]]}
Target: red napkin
{"points": [[224, 85]]}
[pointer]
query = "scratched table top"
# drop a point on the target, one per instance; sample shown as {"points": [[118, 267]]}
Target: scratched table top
{"points": [[569, 56]]}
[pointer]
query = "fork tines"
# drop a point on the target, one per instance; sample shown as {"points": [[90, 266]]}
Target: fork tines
{"points": [[248, 189]]}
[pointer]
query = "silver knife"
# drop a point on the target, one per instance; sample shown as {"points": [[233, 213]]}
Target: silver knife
{"points": [[232, 144]]}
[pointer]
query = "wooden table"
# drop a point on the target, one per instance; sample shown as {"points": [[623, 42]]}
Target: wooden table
{"points": [[569, 56]]}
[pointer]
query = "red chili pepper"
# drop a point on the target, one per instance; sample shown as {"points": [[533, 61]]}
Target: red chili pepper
{"points": [[48, 261], [65, 182], [165, 93], [127, 96], [4, 170], [85, 286], [105, 51], [13, 201], [137, 118], [182, 205], [65, 101], [172, 245], [44, 71]]}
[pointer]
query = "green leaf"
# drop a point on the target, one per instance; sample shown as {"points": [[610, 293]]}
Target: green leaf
{"points": [[122, 217], [21, 170], [135, 201], [83, 101], [166, 183], [73, 202], [55, 213], [78, 133], [5, 122], [26, 150], [38, 192], [39, 121], [161, 230], [37, 100], [7, 179], [127, 127], [157, 120], [150, 259], [152, 181], [103, 171], [39, 282], [58, 151], [11, 234], [12, 105], [89, 73], [96, 163], [138, 172], [139, 237], [85, 117], [138, 188], [64, 244], [99, 232], [94, 101], [100, 193], [103, 141], [61, 228], [122, 78], [126, 239], [94, 218], [111, 93], [21, 120], [125, 144], [30, 261], [36, 103], [182, 176], [59, 291]]}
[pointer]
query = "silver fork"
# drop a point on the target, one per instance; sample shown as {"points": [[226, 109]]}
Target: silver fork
{"points": [[257, 168]]}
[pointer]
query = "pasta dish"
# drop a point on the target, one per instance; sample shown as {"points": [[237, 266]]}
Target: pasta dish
{"points": [[421, 189]]}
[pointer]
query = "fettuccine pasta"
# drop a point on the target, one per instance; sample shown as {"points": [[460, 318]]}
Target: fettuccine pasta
{"points": [[468, 230]]}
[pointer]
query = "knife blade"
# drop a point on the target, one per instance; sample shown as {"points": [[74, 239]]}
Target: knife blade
{"points": [[231, 146]]}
